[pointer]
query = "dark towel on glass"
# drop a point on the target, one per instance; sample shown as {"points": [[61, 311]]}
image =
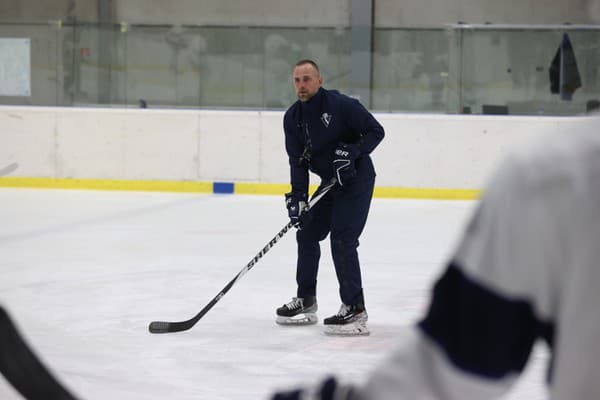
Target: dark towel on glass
{"points": [[564, 74]]}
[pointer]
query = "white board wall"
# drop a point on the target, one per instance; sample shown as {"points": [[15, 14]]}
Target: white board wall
{"points": [[419, 150]]}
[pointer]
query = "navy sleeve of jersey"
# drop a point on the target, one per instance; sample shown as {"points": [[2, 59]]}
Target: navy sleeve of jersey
{"points": [[294, 147], [481, 331], [370, 130]]}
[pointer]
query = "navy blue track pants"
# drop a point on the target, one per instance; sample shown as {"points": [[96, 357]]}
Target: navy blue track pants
{"points": [[342, 213]]}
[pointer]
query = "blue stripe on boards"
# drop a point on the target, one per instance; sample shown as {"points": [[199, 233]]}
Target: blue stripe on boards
{"points": [[223, 187], [482, 331]]}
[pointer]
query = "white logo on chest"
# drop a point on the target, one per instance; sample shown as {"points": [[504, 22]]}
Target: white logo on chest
{"points": [[326, 119]]}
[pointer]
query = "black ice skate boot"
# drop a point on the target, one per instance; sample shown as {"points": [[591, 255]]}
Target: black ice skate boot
{"points": [[299, 311], [349, 321]]}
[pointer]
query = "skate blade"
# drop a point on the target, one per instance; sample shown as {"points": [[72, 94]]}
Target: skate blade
{"points": [[300, 319], [351, 329]]}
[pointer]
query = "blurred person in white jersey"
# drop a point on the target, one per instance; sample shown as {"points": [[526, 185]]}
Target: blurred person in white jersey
{"points": [[527, 268]]}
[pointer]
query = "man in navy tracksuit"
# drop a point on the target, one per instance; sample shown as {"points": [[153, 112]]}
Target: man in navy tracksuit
{"points": [[331, 135]]}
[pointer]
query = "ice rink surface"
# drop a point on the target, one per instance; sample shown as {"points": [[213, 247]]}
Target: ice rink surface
{"points": [[84, 272]]}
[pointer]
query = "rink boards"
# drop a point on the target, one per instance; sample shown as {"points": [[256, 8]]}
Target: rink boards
{"points": [[213, 151]]}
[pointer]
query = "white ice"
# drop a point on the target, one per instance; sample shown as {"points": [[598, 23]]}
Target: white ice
{"points": [[84, 272]]}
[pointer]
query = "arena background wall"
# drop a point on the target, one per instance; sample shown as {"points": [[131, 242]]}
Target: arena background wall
{"points": [[422, 156]]}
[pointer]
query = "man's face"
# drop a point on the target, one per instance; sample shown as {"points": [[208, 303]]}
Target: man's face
{"points": [[307, 81]]}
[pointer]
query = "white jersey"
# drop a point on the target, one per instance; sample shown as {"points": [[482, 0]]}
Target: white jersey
{"points": [[526, 269]]}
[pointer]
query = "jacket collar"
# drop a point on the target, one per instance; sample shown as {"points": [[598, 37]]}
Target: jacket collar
{"points": [[314, 102]]}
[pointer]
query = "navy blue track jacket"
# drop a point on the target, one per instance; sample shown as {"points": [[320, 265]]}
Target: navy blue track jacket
{"points": [[314, 128]]}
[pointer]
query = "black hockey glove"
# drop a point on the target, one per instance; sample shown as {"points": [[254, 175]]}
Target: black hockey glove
{"points": [[330, 389], [343, 162], [297, 206]]}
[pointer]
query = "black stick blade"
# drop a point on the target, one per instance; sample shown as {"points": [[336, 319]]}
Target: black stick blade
{"points": [[167, 327], [159, 327]]}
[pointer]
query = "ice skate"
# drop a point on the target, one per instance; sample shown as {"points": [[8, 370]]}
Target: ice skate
{"points": [[299, 311], [349, 321]]}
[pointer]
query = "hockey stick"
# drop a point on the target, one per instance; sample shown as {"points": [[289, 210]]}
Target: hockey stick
{"points": [[166, 327], [8, 169], [23, 369]]}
